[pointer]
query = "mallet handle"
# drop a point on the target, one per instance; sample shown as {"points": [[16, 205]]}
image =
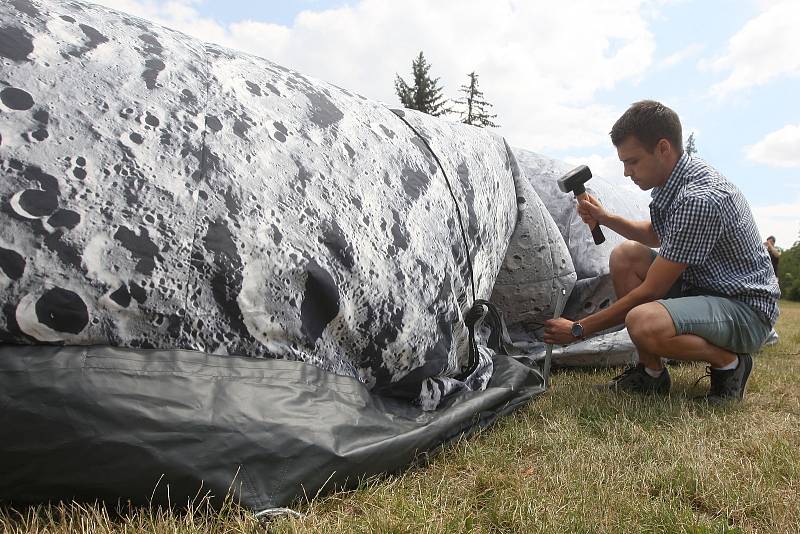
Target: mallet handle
{"points": [[597, 232]]}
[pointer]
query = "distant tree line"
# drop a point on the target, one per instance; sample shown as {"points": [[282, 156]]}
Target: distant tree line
{"points": [[426, 95]]}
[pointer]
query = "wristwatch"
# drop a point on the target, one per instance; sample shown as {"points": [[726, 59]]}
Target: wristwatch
{"points": [[577, 330]]}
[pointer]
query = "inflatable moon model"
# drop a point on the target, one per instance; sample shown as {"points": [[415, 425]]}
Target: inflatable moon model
{"points": [[218, 274]]}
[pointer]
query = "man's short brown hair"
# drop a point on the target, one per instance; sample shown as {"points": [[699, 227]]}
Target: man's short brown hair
{"points": [[649, 122]]}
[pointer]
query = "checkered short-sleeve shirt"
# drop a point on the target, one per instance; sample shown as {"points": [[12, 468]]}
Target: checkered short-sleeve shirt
{"points": [[703, 220]]}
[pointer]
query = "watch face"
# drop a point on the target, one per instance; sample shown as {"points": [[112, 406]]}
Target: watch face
{"points": [[577, 330]]}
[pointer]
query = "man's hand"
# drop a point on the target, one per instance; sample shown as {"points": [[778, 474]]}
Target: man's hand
{"points": [[591, 211], [558, 331]]}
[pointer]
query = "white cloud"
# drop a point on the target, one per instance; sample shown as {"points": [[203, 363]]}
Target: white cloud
{"points": [[780, 148], [606, 166], [780, 220], [540, 62], [764, 49], [177, 14], [681, 55]]}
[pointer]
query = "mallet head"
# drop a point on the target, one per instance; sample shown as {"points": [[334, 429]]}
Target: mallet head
{"points": [[573, 181]]}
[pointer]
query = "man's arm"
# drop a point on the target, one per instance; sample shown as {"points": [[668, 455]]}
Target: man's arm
{"points": [[592, 211], [641, 231], [660, 277]]}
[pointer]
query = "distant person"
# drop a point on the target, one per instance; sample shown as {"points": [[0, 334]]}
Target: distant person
{"points": [[709, 293], [774, 252]]}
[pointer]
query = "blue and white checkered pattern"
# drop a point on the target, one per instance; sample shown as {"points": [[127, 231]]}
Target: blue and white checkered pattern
{"points": [[703, 220]]}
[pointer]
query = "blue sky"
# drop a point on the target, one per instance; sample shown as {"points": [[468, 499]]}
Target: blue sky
{"points": [[558, 73], [724, 125], [276, 11]]}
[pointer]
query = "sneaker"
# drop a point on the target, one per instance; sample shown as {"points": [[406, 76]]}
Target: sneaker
{"points": [[729, 385], [636, 380]]}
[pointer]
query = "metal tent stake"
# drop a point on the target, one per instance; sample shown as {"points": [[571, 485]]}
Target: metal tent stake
{"points": [[548, 355]]}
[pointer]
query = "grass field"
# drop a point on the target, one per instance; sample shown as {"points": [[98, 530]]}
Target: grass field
{"points": [[575, 460]]}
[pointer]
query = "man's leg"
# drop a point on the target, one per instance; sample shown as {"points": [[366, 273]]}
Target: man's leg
{"points": [[652, 330], [629, 263], [717, 330]]}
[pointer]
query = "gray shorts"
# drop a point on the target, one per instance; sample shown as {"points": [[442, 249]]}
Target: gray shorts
{"points": [[722, 321]]}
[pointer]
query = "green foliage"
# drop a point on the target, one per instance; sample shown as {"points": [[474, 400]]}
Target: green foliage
{"points": [[789, 273], [474, 106], [691, 148], [425, 95]]}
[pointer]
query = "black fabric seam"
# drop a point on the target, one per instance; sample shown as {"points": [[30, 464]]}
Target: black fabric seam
{"points": [[452, 195], [203, 169]]}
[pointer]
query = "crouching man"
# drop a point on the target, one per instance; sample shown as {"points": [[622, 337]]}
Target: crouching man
{"points": [[709, 294]]}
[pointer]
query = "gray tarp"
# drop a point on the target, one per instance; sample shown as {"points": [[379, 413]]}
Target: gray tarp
{"points": [[112, 423]]}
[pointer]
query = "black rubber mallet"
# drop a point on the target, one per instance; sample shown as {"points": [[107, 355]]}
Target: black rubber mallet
{"points": [[573, 182]]}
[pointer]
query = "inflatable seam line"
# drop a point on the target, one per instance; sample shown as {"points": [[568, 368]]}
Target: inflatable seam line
{"points": [[203, 169], [455, 201]]}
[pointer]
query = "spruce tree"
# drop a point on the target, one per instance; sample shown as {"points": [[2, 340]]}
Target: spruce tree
{"points": [[691, 149], [425, 95], [476, 109]]}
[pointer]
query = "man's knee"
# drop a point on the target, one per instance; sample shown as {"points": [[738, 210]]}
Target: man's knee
{"points": [[649, 324], [629, 255]]}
